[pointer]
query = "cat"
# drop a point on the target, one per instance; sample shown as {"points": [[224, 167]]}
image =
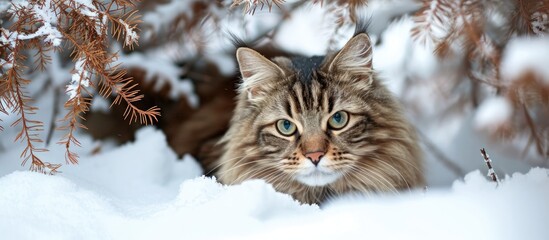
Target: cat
{"points": [[319, 127]]}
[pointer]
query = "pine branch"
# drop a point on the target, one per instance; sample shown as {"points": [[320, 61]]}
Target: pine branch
{"points": [[29, 128], [126, 26], [433, 16], [77, 105], [83, 25], [114, 81], [522, 17]]}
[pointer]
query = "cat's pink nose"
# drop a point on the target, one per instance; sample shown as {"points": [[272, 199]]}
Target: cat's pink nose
{"points": [[314, 157]]}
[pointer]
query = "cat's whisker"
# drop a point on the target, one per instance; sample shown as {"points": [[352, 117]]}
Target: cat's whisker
{"points": [[401, 176], [249, 174], [374, 175], [389, 186], [366, 182], [257, 158], [238, 165], [370, 185], [254, 174], [396, 171], [229, 160], [273, 178]]}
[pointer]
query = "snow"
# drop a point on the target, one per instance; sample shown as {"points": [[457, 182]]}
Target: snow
{"points": [[524, 54], [540, 22], [131, 36], [381, 14], [299, 33], [493, 113], [45, 13], [58, 73], [127, 193], [164, 71], [80, 78], [4, 6], [100, 104], [164, 14], [143, 190]]}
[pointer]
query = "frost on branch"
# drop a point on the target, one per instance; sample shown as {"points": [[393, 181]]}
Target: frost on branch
{"points": [[80, 78], [491, 173], [251, 5], [80, 26]]}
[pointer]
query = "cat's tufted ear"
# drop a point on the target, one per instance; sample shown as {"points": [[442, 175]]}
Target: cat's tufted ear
{"points": [[259, 74], [354, 57]]}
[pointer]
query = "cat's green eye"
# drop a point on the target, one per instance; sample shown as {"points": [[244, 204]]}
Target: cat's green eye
{"points": [[338, 120], [285, 127]]}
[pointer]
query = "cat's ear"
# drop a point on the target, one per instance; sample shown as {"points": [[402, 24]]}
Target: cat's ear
{"points": [[355, 56], [258, 72]]}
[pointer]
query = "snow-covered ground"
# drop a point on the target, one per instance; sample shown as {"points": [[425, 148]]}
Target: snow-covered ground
{"points": [[142, 191]]}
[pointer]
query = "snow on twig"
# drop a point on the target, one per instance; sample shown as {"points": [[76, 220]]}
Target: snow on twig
{"points": [[79, 78], [491, 173], [251, 5], [131, 36]]}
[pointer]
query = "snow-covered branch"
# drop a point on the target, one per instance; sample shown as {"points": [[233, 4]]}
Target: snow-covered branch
{"points": [[82, 27]]}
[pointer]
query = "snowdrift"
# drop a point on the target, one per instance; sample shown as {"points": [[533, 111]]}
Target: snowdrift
{"points": [[114, 196]]}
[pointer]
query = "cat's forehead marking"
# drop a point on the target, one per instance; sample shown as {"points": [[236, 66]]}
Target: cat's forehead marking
{"points": [[306, 66], [306, 97]]}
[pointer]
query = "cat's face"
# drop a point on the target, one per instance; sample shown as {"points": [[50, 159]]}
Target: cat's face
{"points": [[321, 125], [314, 131], [314, 114]]}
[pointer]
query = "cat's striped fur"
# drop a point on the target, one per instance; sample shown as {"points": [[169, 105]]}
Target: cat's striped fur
{"points": [[376, 151]]}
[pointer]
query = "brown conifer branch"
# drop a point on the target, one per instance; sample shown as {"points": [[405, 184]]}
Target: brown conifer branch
{"points": [[521, 17], [115, 81], [84, 29], [434, 13], [41, 56], [121, 25], [350, 6], [29, 128], [77, 105]]}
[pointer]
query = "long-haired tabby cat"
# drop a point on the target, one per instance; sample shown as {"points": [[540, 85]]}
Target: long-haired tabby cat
{"points": [[319, 127]]}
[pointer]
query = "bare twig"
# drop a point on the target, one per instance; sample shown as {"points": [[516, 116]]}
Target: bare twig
{"points": [[488, 161], [55, 112], [533, 129]]}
